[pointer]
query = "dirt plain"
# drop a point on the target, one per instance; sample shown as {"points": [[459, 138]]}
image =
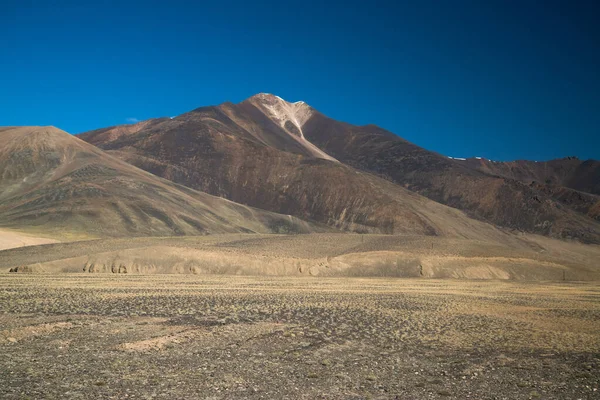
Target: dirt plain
{"points": [[118, 336]]}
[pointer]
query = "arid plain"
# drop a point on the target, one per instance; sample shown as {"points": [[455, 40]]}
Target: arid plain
{"points": [[221, 337], [332, 316]]}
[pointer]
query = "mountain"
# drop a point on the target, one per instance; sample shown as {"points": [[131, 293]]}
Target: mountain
{"points": [[568, 172], [55, 182], [501, 200], [569, 181], [291, 159]]}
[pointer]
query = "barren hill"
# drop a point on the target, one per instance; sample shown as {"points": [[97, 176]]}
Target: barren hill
{"points": [[52, 181], [289, 158], [266, 162], [570, 181], [504, 201], [569, 172]]}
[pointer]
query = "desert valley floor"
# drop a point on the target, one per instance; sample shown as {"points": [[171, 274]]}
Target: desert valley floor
{"points": [[117, 336], [331, 316]]}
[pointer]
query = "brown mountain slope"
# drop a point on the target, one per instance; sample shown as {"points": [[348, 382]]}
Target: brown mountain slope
{"points": [[289, 158], [54, 181], [224, 151], [569, 172], [502, 201], [558, 179]]}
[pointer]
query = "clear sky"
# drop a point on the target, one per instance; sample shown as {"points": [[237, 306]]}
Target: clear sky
{"points": [[500, 79]]}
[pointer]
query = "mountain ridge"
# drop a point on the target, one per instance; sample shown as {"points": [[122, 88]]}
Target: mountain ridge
{"points": [[226, 146]]}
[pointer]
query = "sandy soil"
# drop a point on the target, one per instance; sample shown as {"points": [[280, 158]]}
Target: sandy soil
{"points": [[215, 337], [11, 239]]}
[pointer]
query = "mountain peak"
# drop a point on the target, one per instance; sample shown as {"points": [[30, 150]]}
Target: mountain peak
{"points": [[291, 117], [272, 98]]}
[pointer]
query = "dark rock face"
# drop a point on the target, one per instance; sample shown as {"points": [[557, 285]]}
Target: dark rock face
{"points": [[283, 157], [21, 269]]}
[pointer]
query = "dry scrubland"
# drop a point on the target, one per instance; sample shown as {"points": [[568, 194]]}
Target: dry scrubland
{"points": [[192, 336]]}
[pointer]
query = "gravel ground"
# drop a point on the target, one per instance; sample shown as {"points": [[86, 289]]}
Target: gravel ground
{"points": [[223, 337]]}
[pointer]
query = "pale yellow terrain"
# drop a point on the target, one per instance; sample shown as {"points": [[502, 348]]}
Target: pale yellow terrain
{"points": [[10, 239], [526, 257]]}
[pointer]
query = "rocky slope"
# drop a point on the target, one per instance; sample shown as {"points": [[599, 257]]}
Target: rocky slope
{"points": [[569, 172], [289, 158], [229, 151], [570, 181], [501, 200], [53, 181]]}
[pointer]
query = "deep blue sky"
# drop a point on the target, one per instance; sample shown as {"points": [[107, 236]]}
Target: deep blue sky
{"points": [[499, 79]]}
